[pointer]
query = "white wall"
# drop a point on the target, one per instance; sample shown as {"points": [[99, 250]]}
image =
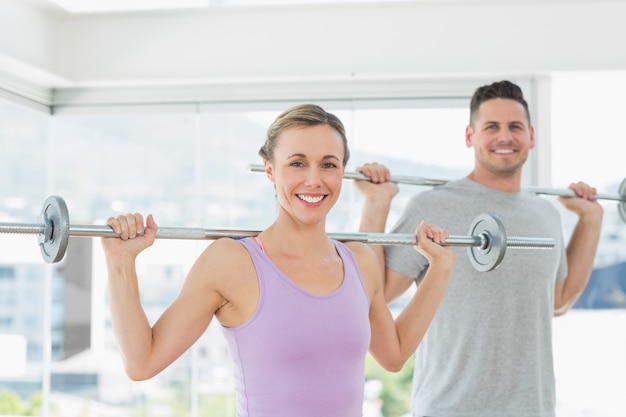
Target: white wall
{"points": [[393, 40]]}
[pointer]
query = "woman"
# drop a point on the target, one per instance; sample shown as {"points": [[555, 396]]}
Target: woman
{"points": [[299, 311]]}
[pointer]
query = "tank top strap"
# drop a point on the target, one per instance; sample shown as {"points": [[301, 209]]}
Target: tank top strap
{"points": [[352, 273]]}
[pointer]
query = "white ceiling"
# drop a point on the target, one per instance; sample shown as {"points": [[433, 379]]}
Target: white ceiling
{"points": [[47, 52], [123, 6]]}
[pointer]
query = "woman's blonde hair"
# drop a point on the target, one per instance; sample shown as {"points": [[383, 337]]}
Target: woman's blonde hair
{"points": [[302, 115]]}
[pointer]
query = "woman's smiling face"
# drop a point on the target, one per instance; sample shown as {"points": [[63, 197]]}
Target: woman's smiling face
{"points": [[307, 171]]}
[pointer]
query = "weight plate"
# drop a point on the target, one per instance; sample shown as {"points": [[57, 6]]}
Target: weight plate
{"points": [[53, 242], [621, 206], [487, 257]]}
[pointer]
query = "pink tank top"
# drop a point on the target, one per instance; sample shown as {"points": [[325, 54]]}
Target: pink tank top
{"points": [[301, 354]]}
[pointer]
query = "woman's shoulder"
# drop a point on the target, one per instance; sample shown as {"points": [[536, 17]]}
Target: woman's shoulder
{"points": [[358, 248], [230, 272], [229, 244], [224, 253], [225, 263], [363, 254]]}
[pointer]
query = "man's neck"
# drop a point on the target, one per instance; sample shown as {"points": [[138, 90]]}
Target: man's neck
{"points": [[508, 184]]}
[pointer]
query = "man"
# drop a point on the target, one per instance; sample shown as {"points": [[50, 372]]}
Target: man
{"points": [[488, 351]]}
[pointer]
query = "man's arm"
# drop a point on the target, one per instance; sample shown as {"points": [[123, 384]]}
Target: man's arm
{"points": [[582, 247], [393, 341], [378, 194]]}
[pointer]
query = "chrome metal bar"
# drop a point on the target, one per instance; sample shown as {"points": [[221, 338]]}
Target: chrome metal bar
{"points": [[400, 179], [81, 230], [405, 179]]}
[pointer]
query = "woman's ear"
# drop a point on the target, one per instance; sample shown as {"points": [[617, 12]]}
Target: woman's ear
{"points": [[269, 170]]}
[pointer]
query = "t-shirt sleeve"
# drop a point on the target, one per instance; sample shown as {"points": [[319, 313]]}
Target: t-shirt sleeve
{"points": [[405, 259], [562, 270]]}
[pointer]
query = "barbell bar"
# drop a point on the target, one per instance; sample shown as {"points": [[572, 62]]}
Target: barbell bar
{"points": [[405, 179], [487, 241]]}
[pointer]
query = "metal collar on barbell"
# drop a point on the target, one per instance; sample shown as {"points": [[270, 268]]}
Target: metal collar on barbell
{"points": [[405, 179], [487, 241]]}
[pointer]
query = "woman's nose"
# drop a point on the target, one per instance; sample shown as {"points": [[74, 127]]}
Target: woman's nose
{"points": [[313, 177]]}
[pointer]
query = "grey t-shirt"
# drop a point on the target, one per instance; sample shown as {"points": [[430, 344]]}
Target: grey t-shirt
{"points": [[488, 351]]}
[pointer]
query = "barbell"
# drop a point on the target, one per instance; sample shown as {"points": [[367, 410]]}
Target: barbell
{"points": [[487, 241], [405, 179]]}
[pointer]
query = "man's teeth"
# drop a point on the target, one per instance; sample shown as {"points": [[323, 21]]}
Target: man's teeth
{"points": [[311, 199], [503, 151]]}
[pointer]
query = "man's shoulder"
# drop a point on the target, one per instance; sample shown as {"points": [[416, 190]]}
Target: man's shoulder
{"points": [[457, 187]]}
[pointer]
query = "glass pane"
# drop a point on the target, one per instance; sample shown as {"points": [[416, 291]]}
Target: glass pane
{"points": [[23, 146], [417, 142], [188, 170], [590, 344], [103, 165]]}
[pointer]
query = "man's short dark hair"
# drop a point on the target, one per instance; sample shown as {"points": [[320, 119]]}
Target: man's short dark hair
{"points": [[501, 89]]}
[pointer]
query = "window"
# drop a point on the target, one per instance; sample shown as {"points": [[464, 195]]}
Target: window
{"points": [[7, 273], [7, 298], [587, 110], [6, 322], [189, 168]]}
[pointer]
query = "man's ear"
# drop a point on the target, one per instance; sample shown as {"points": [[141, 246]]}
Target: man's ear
{"points": [[468, 136], [269, 170]]}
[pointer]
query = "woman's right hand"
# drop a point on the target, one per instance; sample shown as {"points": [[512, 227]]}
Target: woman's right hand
{"points": [[430, 238], [134, 236]]}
